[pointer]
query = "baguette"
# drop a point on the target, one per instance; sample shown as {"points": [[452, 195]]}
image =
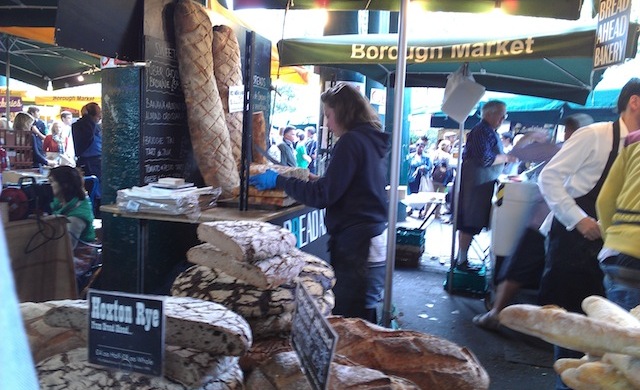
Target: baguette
{"points": [[557, 326], [601, 308], [595, 375], [561, 365]]}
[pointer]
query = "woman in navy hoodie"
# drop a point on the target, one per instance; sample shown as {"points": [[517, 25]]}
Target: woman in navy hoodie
{"points": [[353, 193]]}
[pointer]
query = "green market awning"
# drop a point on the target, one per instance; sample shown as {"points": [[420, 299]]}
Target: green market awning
{"points": [[556, 64], [559, 9]]}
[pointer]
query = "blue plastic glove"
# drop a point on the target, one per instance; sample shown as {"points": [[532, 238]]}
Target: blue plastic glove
{"points": [[264, 181]]}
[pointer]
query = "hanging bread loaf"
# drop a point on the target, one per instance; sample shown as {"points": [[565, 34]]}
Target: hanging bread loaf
{"points": [[205, 115], [259, 137], [190, 323], [428, 361], [227, 70]]}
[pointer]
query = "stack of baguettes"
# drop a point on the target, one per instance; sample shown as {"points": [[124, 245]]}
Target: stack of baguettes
{"points": [[274, 197], [204, 341], [253, 269], [608, 335]]}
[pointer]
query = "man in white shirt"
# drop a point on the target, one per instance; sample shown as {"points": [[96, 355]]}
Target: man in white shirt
{"points": [[66, 118], [570, 184]]}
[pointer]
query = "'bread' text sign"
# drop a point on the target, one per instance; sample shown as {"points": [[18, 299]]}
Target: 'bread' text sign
{"points": [[126, 331], [611, 33]]}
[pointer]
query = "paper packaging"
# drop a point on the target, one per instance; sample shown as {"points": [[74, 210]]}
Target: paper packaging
{"points": [[461, 94]]}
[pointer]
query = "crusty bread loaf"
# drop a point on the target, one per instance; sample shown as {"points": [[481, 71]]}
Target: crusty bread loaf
{"points": [[45, 340], [572, 330], [265, 274], [298, 173], [190, 323], [428, 361], [283, 372], [71, 370], [603, 309], [262, 350], [259, 128], [228, 73], [563, 364], [245, 299], [247, 241], [205, 115], [595, 375], [269, 326], [197, 369]]}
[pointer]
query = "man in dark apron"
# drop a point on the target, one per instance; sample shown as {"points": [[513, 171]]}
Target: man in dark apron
{"points": [[570, 183], [482, 163]]}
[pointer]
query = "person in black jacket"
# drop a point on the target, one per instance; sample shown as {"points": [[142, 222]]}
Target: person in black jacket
{"points": [[353, 193]]}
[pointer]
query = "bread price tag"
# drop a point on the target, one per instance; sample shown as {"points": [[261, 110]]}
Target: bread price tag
{"points": [[313, 339]]}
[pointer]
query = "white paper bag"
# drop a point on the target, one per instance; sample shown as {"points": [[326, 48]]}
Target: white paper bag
{"points": [[461, 95]]}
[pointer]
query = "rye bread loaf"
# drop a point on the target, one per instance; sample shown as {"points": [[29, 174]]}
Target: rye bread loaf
{"points": [[316, 275], [45, 340], [269, 326], [428, 361], [265, 274], [197, 369], [71, 370], [284, 372], [205, 115], [190, 323], [259, 132], [247, 241], [262, 350], [228, 73]]}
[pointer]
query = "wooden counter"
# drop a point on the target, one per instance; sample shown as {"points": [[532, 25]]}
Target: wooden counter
{"points": [[212, 214]]}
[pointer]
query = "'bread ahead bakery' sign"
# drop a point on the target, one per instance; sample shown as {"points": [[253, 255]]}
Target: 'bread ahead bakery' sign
{"points": [[126, 331], [612, 33]]}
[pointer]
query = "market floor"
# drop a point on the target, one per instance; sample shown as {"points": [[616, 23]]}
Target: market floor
{"points": [[513, 361]]}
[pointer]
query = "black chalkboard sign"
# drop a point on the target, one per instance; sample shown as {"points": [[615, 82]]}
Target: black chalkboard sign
{"points": [[165, 143], [313, 339], [126, 331]]}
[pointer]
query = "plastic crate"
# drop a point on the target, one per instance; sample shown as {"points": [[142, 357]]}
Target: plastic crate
{"points": [[474, 281], [409, 236]]}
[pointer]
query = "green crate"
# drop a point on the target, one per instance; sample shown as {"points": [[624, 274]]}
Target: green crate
{"points": [[474, 281], [409, 236]]}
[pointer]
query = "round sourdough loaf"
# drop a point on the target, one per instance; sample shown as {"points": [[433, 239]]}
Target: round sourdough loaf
{"points": [[428, 361]]}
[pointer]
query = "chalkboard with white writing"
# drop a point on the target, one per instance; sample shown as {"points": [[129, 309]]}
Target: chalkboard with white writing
{"points": [[313, 339]]}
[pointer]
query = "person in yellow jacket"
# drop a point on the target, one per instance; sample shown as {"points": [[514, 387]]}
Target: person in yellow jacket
{"points": [[618, 208]]}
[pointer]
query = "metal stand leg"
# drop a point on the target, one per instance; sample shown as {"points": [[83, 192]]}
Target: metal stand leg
{"points": [[143, 248]]}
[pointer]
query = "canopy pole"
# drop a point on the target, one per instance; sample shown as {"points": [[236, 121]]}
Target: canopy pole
{"points": [[456, 196], [8, 77], [395, 160]]}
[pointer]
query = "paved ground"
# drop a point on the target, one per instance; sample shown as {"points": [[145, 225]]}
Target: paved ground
{"points": [[513, 361]]}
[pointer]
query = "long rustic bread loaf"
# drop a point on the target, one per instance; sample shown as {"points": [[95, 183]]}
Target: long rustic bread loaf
{"points": [[227, 70], [205, 115], [603, 309], [571, 330], [71, 370], [595, 375], [298, 173], [428, 361], [259, 137], [190, 323], [265, 274], [247, 241], [197, 369], [283, 372], [45, 340]]}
